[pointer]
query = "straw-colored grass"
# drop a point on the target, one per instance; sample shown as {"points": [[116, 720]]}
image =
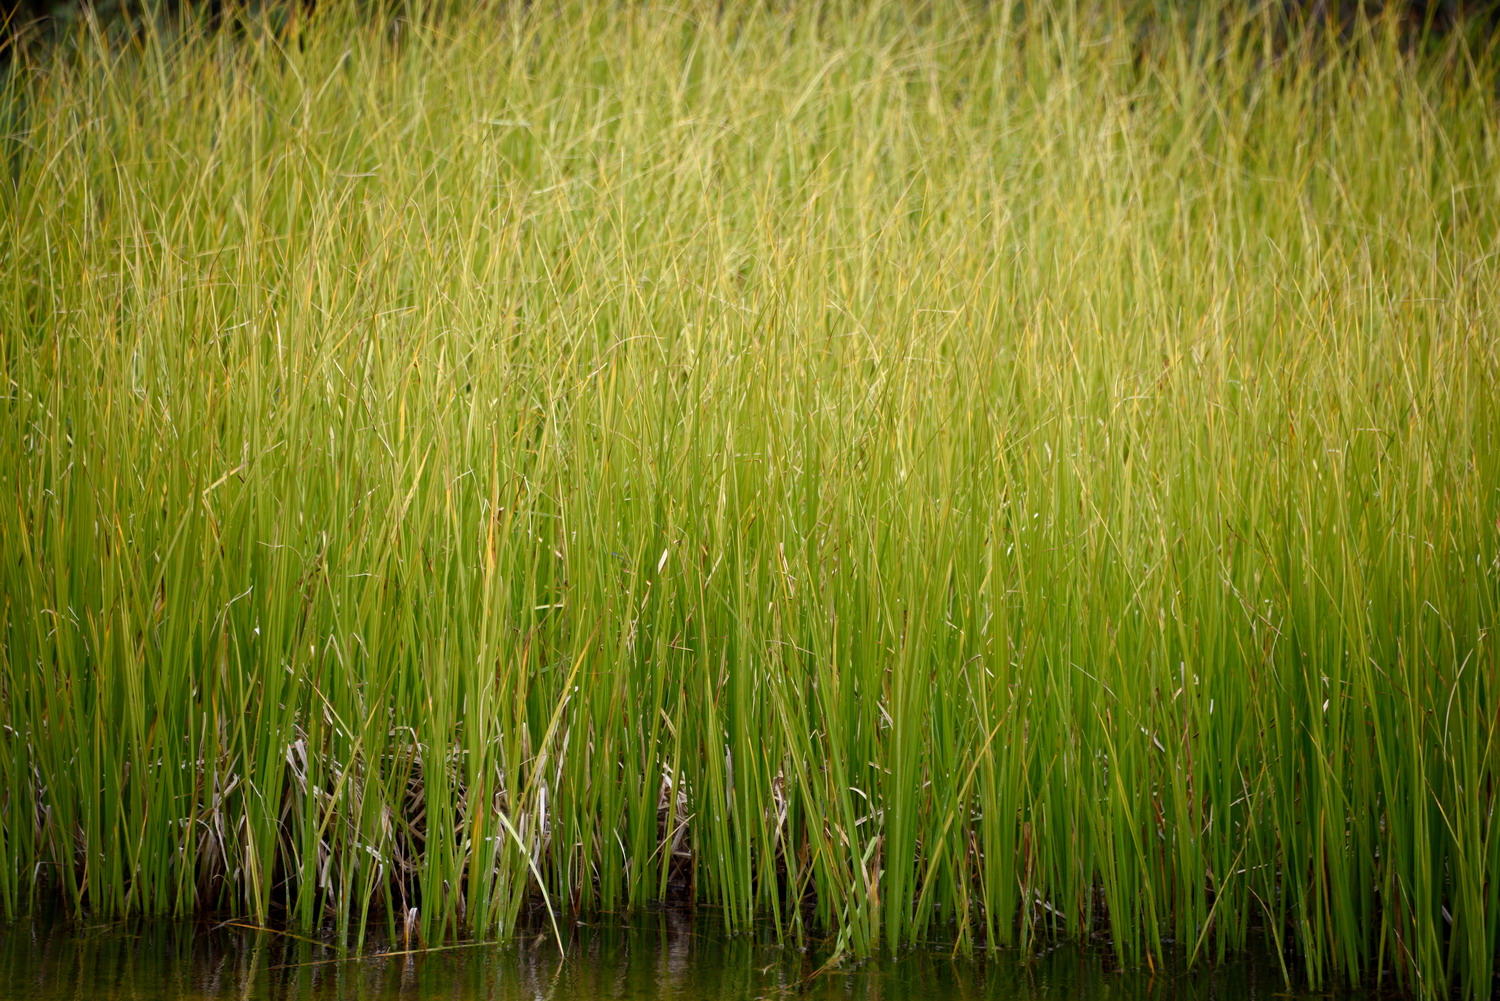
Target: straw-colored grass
{"points": [[896, 471]]}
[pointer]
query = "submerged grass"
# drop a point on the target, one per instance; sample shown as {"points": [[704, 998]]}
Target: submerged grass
{"points": [[888, 470]]}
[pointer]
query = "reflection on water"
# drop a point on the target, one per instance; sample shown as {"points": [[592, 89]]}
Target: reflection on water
{"points": [[661, 957]]}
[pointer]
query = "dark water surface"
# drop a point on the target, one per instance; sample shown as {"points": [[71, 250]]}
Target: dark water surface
{"points": [[665, 958]]}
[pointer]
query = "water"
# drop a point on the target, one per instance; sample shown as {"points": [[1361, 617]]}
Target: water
{"points": [[657, 959]]}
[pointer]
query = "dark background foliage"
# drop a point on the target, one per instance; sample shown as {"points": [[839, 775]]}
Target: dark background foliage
{"points": [[1436, 14]]}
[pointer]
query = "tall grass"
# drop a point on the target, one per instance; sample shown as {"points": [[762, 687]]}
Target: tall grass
{"points": [[894, 471]]}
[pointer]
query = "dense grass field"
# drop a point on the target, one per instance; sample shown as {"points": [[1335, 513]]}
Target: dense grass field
{"points": [[904, 472]]}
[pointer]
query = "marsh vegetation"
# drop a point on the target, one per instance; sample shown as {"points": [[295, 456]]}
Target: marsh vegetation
{"points": [[876, 472]]}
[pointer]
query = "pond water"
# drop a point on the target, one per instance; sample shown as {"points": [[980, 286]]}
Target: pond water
{"points": [[663, 957]]}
